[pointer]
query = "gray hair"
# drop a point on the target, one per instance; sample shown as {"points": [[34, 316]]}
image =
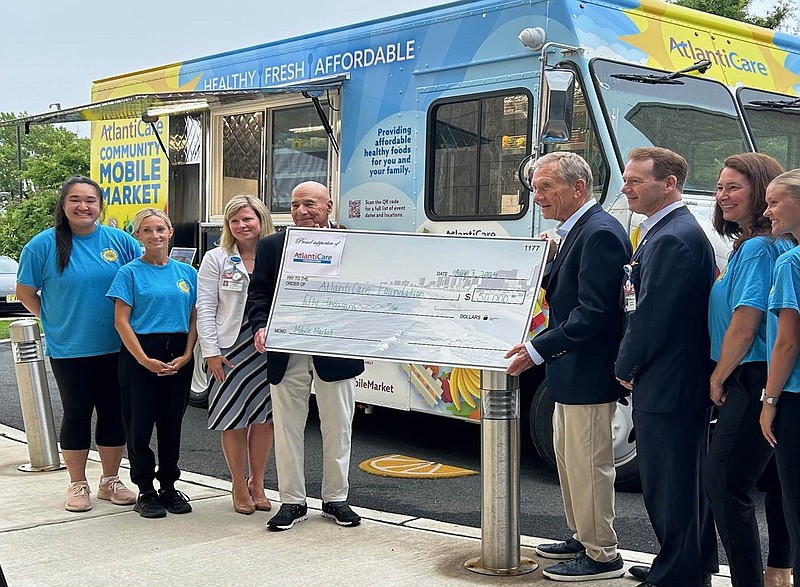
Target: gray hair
{"points": [[788, 182], [571, 167]]}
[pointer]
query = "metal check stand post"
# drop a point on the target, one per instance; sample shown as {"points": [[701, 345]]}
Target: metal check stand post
{"points": [[34, 396], [500, 464]]}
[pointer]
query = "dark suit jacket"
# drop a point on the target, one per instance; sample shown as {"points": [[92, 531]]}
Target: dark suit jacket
{"points": [[259, 302], [585, 324], [665, 350]]}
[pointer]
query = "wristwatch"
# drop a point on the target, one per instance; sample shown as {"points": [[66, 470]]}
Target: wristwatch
{"points": [[770, 399]]}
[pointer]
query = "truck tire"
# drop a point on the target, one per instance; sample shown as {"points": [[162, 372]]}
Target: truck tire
{"points": [[198, 391], [198, 399], [541, 429]]}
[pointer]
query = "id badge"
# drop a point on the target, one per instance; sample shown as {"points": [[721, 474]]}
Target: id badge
{"points": [[231, 284], [232, 281], [629, 290]]}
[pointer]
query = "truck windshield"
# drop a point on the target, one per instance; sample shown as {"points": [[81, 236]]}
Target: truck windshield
{"points": [[693, 116], [774, 120]]}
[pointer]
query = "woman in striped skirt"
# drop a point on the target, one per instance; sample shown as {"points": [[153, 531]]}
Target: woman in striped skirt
{"points": [[239, 403]]}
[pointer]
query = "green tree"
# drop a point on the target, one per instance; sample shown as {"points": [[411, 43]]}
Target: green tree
{"points": [[50, 154], [776, 17], [23, 219]]}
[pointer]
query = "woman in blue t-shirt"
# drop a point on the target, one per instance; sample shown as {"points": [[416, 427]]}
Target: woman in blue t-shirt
{"points": [[64, 273], [738, 455], [154, 310], [780, 419]]}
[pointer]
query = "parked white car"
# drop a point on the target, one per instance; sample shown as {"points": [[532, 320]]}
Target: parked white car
{"points": [[8, 286]]}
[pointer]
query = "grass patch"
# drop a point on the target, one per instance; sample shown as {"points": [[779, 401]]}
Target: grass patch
{"points": [[6, 322]]}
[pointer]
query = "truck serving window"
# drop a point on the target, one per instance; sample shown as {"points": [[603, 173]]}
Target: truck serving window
{"points": [[475, 145], [774, 121], [693, 116]]}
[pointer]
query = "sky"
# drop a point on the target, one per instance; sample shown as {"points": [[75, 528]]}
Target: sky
{"points": [[51, 51]]}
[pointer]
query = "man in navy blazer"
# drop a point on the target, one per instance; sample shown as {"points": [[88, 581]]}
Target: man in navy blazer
{"points": [[664, 360], [579, 347], [290, 376]]}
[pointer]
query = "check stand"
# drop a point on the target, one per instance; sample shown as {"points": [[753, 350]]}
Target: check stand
{"points": [[500, 466]]}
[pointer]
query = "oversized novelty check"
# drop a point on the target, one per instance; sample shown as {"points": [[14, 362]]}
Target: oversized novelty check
{"points": [[411, 298]]}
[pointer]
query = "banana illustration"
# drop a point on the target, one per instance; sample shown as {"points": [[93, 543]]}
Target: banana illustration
{"points": [[464, 388], [455, 394], [474, 377]]}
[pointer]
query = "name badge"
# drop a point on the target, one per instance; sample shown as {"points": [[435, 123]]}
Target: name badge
{"points": [[231, 284], [629, 290]]}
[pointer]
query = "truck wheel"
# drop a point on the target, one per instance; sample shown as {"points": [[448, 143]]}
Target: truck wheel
{"points": [[541, 429]]}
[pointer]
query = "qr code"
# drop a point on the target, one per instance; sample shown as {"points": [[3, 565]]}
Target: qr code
{"points": [[354, 210]]}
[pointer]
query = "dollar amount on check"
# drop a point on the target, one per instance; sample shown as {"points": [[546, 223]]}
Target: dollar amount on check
{"points": [[410, 298]]}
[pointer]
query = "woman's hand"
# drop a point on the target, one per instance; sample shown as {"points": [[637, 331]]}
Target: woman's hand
{"points": [[178, 362], [766, 420], [215, 365], [718, 394], [156, 366]]}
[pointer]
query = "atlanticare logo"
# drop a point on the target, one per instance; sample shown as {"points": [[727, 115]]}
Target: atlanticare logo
{"points": [[301, 257], [731, 59]]}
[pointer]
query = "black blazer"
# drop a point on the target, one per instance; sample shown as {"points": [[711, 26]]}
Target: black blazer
{"points": [[585, 323], [666, 347], [259, 303]]}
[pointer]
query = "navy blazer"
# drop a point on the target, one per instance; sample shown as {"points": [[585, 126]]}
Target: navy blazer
{"points": [[585, 323], [666, 347], [263, 284]]}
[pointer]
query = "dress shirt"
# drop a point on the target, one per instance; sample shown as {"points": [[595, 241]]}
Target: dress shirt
{"points": [[651, 221]]}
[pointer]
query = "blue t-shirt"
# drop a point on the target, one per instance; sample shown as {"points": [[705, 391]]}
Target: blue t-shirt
{"points": [[785, 294], [745, 282], [77, 318], [161, 297]]}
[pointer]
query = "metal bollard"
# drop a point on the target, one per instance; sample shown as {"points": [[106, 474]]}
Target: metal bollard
{"points": [[500, 447], [34, 396]]}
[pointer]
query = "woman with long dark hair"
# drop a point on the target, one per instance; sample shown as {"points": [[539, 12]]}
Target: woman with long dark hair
{"points": [[64, 274], [738, 304]]}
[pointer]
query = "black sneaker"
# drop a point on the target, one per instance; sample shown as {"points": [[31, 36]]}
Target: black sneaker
{"points": [[341, 512], [561, 550], [149, 506], [583, 568], [287, 516], [174, 501]]}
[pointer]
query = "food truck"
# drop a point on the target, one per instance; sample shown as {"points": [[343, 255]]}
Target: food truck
{"points": [[423, 122]]}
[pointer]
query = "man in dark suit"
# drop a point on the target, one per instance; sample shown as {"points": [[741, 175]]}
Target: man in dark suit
{"points": [[579, 346], [664, 360], [290, 377]]}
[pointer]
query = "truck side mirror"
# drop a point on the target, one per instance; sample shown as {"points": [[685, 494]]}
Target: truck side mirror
{"points": [[555, 109]]}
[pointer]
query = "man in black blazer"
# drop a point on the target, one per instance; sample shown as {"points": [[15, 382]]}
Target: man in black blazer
{"points": [[579, 346], [664, 360], [290, 376]]}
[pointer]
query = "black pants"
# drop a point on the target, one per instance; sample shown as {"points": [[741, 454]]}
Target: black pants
{"points": [[86, 384], [787, 455], [736, 460], [149, 400], [672, 447], [779, 555]]}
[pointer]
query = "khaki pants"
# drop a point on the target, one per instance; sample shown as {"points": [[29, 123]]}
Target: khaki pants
{"points": [[585, 458], [336, 404]]}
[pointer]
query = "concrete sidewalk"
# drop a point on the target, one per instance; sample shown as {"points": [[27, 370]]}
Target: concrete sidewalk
{"points": [[42, 544]]}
